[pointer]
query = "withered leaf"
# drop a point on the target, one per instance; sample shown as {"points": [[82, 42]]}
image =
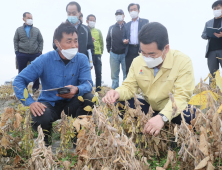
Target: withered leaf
{"points": [[88, 108], [159, 168], [203, 145], [81, 98], [66, 164], [17, 160], [76, 124], [203, 163], [210, 166], [94, 99], [4, 142], [81, 133], [18, 120]]}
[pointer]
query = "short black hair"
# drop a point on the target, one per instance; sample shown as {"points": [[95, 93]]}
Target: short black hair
{"points": [[74, 3], [91, 15], [138, 6], [81, 15], [154, 32], [219, 2], [64, 27], [24, 15]]}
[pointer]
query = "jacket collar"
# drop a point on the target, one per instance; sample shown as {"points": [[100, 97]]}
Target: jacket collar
{"points": [[117, 24], [29, 25], [167, 63], [79, 24]]}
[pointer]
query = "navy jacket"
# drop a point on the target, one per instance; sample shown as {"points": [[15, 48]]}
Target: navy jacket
{"points": [[114, 40], [127, 28]]}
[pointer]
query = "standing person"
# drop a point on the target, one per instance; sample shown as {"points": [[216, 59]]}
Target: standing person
{"points": [[28, 45], [130, 37], [73, 10], [99, 46], [116, 48], [214, 46]]}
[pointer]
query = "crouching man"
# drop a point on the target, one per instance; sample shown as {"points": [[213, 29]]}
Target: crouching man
{"points": [[157, 71], [64, 67]]}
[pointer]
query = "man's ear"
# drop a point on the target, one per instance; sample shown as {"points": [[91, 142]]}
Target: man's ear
{"points": [[167, 48], [23, 19], [87, 21], [57, 44]]}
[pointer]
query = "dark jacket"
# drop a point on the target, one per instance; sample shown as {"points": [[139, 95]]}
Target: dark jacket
{"points": [[31, 45], [209, 23], [84, 39], [127, 28], [114, 40]]}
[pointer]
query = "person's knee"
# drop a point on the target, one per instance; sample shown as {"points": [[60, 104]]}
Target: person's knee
{"points": [[88, 99], [45, 120]]}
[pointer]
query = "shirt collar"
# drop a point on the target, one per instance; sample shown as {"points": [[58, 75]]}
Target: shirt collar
{"points": [[136, 19]]}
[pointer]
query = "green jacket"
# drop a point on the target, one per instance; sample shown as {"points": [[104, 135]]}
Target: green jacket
{"points": [[98, 43]]}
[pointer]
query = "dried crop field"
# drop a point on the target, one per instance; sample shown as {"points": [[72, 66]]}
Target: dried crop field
{"points": [[106, 141]]}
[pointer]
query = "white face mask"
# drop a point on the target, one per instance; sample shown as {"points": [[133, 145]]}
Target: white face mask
{"points": [[119, 18], [29, 21], [69, 53], [92, 24], [134, 14], [153, 62], [217, 13]]}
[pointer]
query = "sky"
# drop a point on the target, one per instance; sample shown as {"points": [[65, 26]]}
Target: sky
{"points": [[184, 20]]}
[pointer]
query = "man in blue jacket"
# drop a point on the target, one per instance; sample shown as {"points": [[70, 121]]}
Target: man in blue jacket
{"points": [[130, 36], [58, 68]]}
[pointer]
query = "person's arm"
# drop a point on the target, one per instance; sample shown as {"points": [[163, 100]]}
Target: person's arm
{"points": [[90, 44], [85, 79], [184, 86], [16, 41], [125, 32], [40, 41], [204, 34], [101, 41], [129, 86], [29, 74], [108, 41]]}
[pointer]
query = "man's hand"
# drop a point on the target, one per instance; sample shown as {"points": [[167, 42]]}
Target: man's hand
{"points": [[111, 97], [154, 125], [73, 91], [126, 41], [93, 39], [218, 35], [37, 108]]}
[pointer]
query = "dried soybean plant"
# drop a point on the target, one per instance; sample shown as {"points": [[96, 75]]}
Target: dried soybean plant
{"points": [[42, 156], [103, 145], [201, 141]]}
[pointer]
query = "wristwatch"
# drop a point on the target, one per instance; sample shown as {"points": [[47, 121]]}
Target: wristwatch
{"points": [[165, 119]]}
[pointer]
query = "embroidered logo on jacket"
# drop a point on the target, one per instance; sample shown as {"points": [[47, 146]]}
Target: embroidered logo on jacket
{"points": [[141, 71]]}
